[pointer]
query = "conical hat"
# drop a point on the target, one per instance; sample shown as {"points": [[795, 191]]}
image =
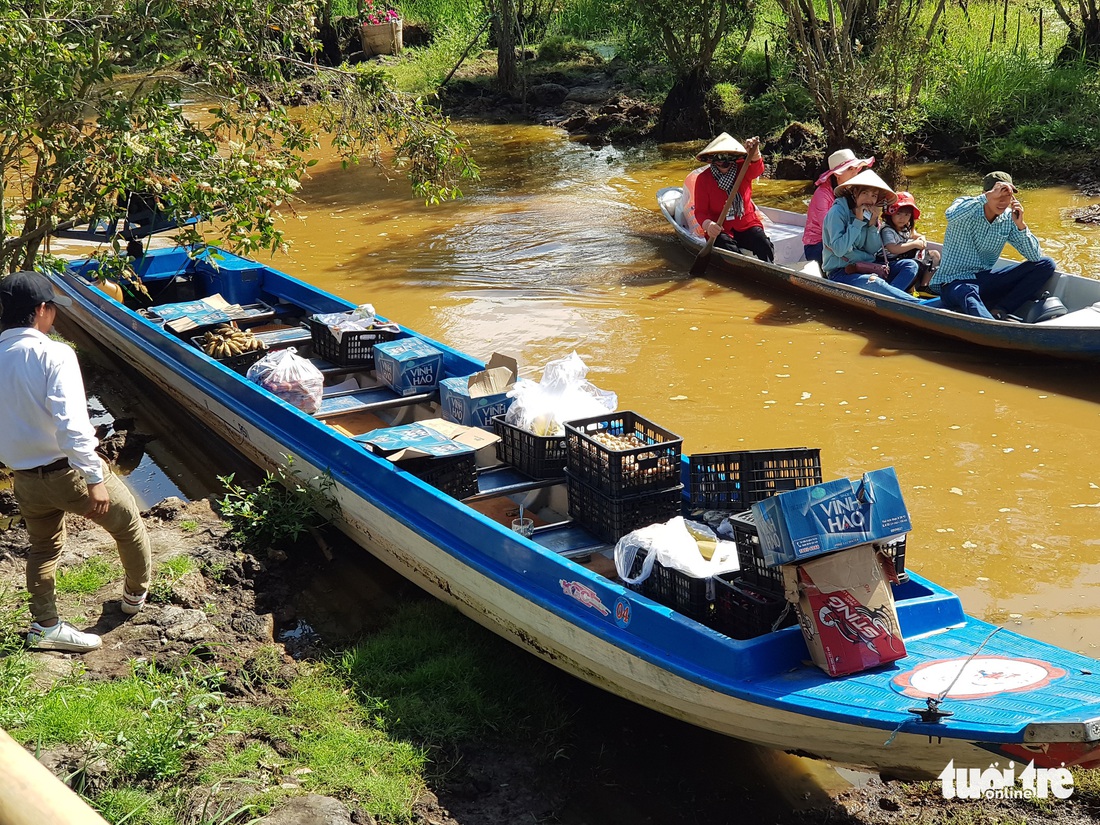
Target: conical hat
{"points": [[724, 143], [866, 178]]}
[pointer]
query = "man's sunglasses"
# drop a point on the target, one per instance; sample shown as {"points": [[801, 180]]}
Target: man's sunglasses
{"points": [[723, 159]]}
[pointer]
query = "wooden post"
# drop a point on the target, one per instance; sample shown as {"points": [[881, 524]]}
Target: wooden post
{"points": [[1040, 28], [1004, 24], [31, 795]]}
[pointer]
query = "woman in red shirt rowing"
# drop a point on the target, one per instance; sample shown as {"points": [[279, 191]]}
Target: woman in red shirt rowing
{"points": [[742, 231]]}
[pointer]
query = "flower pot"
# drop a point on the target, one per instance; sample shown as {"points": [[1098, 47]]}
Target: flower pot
{"points": [[384, 38]]}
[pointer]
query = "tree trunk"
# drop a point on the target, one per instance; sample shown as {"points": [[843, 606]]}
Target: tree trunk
{"points": [[504, 32], [684, 113]]}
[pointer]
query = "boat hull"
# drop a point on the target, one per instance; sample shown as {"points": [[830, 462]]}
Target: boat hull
{"points": [[1069, 337], [577, 620]]}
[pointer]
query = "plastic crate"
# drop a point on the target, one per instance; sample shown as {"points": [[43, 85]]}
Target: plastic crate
{"points": [[238, 363], [355, 347], [654, 466], [610, 518], [538, 456], [754, 572], [455, 475], [693, 597], [736, 480], [894, 551], [742, 612]]}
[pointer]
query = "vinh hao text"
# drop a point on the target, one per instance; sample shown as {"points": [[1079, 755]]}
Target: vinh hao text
{"points": [[995, 782]]}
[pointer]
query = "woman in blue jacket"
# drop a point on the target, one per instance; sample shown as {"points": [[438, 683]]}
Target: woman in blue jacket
{"points": [[850, 239]]}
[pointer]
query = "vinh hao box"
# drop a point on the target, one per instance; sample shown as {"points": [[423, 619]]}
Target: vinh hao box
{"points": [[846, 611], [811, 521], [408, 366], [473, 400]]}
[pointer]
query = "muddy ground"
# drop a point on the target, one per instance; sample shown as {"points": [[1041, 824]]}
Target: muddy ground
{"points": [[618, 763]]}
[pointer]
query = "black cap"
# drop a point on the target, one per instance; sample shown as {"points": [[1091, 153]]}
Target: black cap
{"points": [[26, 290]]}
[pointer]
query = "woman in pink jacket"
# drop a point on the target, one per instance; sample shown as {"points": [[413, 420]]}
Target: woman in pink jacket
{"points": [[843, 166]]}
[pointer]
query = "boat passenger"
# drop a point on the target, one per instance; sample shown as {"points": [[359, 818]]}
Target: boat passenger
{"points": [[50, 446], [843, 166], [743, 229], [900, 239], [978, 227], [850, 239]]}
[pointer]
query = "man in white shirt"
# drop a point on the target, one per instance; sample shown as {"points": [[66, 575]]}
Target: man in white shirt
{"points": [[49, 444]]}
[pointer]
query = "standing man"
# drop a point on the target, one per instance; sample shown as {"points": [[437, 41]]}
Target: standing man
{"points": [[977, 230], [49, 444]]}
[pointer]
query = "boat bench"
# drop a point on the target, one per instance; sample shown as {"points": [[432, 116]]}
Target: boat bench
{"points": [[369, 399]]}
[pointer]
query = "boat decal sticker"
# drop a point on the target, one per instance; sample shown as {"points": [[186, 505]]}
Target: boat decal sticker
{"points": [[623, 611], [976, 678], [585, 595]]}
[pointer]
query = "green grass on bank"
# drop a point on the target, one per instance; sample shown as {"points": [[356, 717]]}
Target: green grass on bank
{"points": [[370, 725]]}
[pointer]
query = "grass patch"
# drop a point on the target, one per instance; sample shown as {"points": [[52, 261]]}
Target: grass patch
{"points": [[168, 572], [87, 577], [189, 525]]}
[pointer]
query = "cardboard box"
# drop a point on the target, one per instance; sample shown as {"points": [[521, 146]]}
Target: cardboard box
{"points": [[846, 611], [434, 438], [474, 400], [408, 366], [800, 524]]}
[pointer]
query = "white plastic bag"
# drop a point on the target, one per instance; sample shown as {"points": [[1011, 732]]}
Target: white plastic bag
{"points": [[674, 546], [563, 394], [291, 377]]}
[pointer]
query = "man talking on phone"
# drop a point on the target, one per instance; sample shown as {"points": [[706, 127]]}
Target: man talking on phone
{"points": [[977, 230]]}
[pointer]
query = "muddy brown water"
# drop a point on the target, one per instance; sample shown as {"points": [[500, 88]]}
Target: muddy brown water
{"points": [[560, 247]]}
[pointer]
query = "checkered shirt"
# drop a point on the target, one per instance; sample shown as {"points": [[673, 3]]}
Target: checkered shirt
{"points": [[973, 244]]}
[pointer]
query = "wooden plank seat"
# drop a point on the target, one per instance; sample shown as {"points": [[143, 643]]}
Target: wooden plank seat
{"points": [[370, 398], [504, 480]]}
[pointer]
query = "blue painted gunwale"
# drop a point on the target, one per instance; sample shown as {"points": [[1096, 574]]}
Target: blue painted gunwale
{"points": [[769, 670], [1059, 341]]}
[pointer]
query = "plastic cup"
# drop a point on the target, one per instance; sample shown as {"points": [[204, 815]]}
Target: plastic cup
{"points": [[523, 526]]}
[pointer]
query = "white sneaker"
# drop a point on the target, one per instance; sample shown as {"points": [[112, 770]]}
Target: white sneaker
{"points": [[62, 636], [132, 604]]}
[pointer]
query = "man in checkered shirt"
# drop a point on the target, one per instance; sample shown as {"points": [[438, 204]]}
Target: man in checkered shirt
{"points": [[977, 230]]}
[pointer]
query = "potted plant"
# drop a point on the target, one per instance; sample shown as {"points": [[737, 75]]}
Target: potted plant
{"points": [[380, 30]]}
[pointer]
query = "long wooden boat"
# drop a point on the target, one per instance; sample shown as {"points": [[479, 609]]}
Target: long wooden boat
{"points": [[1073, 335], [556, 594]]}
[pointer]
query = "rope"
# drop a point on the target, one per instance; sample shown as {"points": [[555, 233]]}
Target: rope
{"points": [[943, 695]]}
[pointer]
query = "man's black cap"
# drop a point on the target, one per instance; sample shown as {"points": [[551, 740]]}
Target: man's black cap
{"points": [[26, 290]]}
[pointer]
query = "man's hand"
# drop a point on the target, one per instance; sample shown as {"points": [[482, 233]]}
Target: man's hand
{"points": [[753, 147], [1017, 210], [99, 500], [712, 229]]}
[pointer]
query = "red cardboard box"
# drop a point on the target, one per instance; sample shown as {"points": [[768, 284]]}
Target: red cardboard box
{"points": [[846, 610]]}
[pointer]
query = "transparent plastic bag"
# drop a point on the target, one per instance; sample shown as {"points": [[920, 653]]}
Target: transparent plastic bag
{"points": [[291, 377], [563, 394], [360, 319], [676, 544]]}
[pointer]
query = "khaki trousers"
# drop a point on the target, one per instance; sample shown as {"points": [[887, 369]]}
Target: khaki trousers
{"points": [[44, 500]]}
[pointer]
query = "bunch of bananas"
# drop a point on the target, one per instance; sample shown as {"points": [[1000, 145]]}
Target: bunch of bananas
{"points": [[229, 339]]}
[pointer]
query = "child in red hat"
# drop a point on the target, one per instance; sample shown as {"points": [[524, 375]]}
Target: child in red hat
{"points": [[900, 239]]}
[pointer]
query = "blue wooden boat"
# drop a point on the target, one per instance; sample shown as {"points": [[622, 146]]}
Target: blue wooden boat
{"points": [[1073, 335], [556, 594]]}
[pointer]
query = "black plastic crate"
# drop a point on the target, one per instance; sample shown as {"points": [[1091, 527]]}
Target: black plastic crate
{"points": [[455, 475], [653, 465], [239, 362], [742, 612], [355, 347], [538, 456], [736, 480], [693, 597], [754, 572], [894, 551], [609, 518]]}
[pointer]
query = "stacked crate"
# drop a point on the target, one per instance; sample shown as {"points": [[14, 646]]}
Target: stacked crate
{"points": [[751, 602], [623, 473]]}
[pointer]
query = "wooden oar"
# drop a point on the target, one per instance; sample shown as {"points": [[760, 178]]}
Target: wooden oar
{"points": [[703, 258]]}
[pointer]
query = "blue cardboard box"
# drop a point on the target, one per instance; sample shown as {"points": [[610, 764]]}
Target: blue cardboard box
{"points": [[408, 366], [473, 400], [800, 524]]}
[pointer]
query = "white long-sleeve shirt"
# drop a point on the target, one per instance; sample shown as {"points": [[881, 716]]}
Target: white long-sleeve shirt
{"points": [[43, 408]]}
